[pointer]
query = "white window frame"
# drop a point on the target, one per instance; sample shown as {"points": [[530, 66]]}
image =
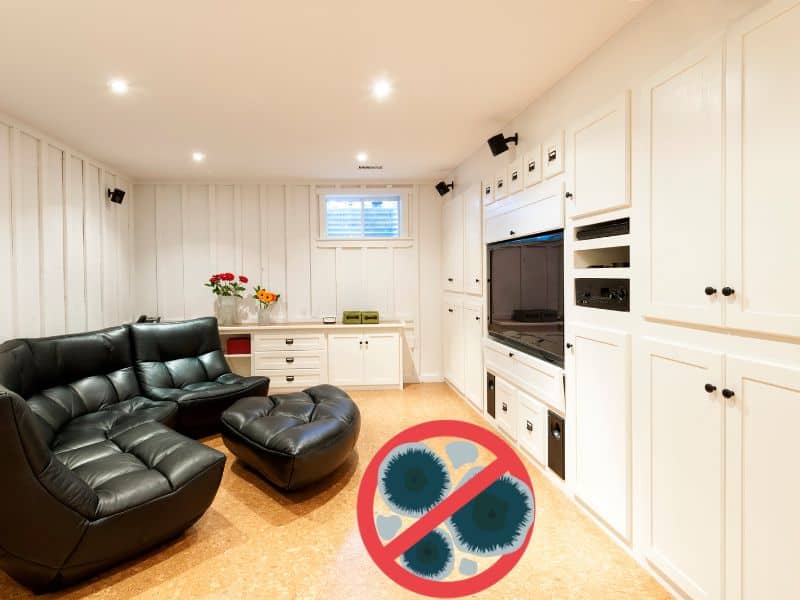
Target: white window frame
{"points": [[403, 239]]}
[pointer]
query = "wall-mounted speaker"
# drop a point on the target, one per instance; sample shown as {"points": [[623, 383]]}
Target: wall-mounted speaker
{"points": [[116, 195], [499, 143], [443, 187]]}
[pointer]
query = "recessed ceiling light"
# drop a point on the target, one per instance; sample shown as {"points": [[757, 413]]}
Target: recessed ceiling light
{"points": [[381, 89], [362, 157], [198, 156], [118, 86]]}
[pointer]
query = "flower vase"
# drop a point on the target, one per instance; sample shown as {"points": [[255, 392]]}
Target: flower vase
{"points": [[263, 313], [226, 310]]}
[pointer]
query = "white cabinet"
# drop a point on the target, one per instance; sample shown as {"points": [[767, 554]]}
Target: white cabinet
{"points": [[515, 177], [472, 323], [345, 358], [453, 243], [721, 161], [600, 168], [686, 466], [500, 184], [381, 362], [487, 191], [532, 166], [462, 242], [453, 344], [762, 481], [763, 205], [535, 210], [553, 155], [682, 111], [600, 361], [361, 358], [532, 427], [473, 242]]}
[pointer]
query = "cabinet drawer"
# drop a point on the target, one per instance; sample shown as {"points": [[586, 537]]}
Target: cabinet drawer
{"points": [[288, 360], [488, 192], [500, 185], [548, 386], [265, 342], [289, 379], [506, 407], [498, 360], [532, 427]]}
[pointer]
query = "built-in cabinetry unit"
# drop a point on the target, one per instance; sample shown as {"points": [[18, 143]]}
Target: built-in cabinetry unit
{"points": [[463, 334], [722, 509], [598, 362], [299, 355], [462, 250], [719, 378]]}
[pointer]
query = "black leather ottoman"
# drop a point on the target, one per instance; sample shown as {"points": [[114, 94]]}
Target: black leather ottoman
{"points": [[293, 439]]}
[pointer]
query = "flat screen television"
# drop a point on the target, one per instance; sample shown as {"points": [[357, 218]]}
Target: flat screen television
{"points": [[526, 295]]}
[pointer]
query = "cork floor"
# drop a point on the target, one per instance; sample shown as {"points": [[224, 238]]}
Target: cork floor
{"points": [[255, 542]]}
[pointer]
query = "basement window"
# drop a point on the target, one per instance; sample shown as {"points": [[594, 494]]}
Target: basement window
{"points": [[363, 217]]}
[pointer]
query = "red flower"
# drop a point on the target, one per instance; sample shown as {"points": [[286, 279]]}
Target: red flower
{"points": [[243, 279], [214, 279]]}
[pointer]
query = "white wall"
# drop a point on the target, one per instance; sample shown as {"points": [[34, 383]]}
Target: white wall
{"points": [[269, 232], [65, 250]]}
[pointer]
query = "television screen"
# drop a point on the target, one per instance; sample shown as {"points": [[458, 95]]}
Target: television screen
{"points": [[526, 295]]}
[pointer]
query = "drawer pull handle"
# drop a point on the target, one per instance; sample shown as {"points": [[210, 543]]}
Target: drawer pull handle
{"points": [[449, 310], [528, 425], [728, 393], [510, 355], [289, 341], [290, 378], [531, 166], [290, 359], [450, 279], [710, 388], [505, 407], [514, 176], [728, 291]]}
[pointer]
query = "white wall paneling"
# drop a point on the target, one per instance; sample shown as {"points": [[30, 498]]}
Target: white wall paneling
{"points": [[63, 247], [269, 232]]}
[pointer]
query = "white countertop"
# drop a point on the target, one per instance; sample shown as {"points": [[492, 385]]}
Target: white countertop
{"points": [[255, 327]]}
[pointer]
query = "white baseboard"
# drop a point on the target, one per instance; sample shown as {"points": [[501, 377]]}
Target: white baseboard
{"points": [[431, 378]]}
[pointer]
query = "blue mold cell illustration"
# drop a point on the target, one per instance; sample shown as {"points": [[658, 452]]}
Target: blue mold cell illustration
{"points": [[467, 567], [461, 452], [412, 479], [432, 557], [496, 521]]}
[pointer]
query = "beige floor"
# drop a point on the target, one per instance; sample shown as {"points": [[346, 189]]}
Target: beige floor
{"points": [[255, 542]]}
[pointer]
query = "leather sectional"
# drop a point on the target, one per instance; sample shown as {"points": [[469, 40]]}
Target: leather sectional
{"points": [[94, 472]]}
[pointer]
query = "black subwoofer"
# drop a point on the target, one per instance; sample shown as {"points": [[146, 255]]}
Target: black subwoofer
{"points": [[555, 443]]}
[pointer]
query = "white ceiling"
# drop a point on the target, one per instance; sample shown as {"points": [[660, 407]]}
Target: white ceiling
{"points": [[280, 90]]}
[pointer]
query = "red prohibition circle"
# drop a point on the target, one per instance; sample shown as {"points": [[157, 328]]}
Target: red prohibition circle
{"points": [[506, 461]]}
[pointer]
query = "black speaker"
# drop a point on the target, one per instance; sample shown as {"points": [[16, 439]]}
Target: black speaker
{"points": [[116, 195], [555, 443], [499, 143], [443, 187]]}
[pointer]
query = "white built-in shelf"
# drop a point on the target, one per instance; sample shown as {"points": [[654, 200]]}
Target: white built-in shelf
{"points": [[603, 242], [619, 273], [246, 328], [238, 355]]}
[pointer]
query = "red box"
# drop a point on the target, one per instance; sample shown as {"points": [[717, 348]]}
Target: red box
{"points": [[238, 345]]}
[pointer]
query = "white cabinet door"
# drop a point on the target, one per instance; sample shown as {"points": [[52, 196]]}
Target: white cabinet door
{"points": [[601, 359], [473, 355], [762, 480], [453, 244], [454, 344], [473, 242], [600, 169], [763, 206], [381, 352], [686, 466], [345, 358], [682, 150], [505, 399]]}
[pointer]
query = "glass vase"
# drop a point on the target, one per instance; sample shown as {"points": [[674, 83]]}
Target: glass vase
{"points": [[226, 310], [263, 313]]}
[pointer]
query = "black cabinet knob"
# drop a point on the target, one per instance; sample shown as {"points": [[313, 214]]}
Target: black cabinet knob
{"points": [[449, 310], [728, 393], [528, 425], [728, 291], [510, 355], [477, 318], [505, 407], [290, 378], [710, 291], [477, 280], [710, 388], [569, 345], [568, 195], [450, 279], [512, 232]]}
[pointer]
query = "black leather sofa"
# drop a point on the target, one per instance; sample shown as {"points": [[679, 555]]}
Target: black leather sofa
{"points": [[183, 363], [93, 472]]}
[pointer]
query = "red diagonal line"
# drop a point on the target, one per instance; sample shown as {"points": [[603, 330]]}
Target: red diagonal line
{"points": [[458, 498]]}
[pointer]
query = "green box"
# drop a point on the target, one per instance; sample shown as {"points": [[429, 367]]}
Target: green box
{"points": [[351, 317], [370, 317]]}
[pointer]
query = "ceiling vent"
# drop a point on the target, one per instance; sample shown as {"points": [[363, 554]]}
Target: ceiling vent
{"points": [[370, 167]]}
